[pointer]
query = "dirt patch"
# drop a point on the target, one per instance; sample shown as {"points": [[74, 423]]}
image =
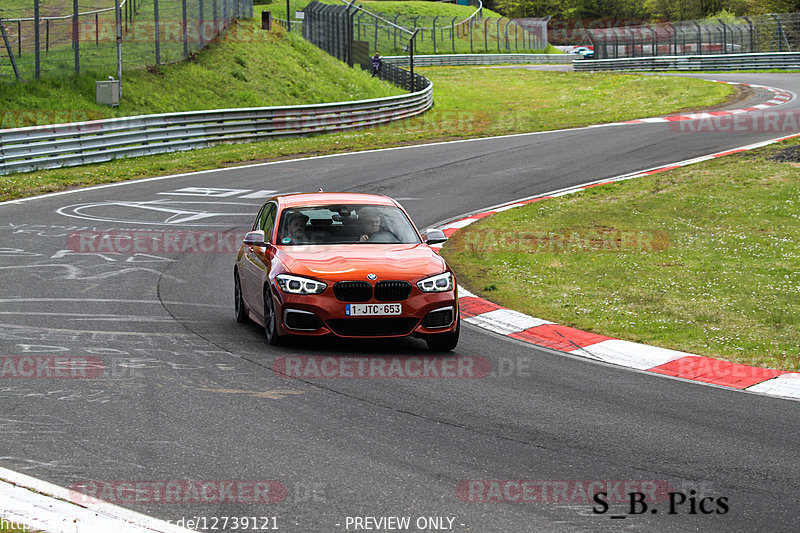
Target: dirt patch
{"points": [[787, 155]]}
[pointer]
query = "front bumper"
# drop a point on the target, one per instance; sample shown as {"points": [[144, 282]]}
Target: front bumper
{"points": [[316, 315]]}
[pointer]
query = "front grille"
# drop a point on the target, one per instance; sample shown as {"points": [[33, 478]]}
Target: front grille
{"points": [[353, 291], [372, 327], [392, 291], [301, 320], [441, 318]]}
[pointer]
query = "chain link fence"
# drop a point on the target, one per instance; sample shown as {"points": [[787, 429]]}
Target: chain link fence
{"points": [[38, 37], [389, 33], [734, 35], [446, 35], [331, 28]]}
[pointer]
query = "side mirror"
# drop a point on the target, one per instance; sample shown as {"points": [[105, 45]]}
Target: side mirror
{"points": [[254, 238], [433, 236]]}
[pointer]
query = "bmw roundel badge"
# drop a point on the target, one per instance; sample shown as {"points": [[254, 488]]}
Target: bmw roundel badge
{"points": [[372, 277]]}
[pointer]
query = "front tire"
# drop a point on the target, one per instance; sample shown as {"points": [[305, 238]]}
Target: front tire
{"points": [[238, 302], [271, 321], [444, 342]]}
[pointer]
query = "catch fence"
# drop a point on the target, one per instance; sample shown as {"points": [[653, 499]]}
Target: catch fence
{"points": [[389, 33], [74, 36], [732, 35]]}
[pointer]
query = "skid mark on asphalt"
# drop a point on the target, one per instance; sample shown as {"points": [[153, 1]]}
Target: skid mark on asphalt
{"points": [[274, 394]]}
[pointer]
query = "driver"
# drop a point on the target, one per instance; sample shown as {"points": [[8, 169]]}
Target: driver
{"points": [[296, 228]]}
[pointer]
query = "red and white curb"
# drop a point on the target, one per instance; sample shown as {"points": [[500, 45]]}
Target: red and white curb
{"points": [[32, 504], [516, 325], [779, 96]]}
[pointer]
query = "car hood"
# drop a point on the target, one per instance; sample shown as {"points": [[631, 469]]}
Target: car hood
{"points": [[354, 261]]}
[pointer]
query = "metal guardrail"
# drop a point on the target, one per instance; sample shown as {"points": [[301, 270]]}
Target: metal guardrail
{"points": [[61, 145], [776, 60], [442, 60]]}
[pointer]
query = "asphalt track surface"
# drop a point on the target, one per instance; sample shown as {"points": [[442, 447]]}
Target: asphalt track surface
{"points": [[187, 394]]}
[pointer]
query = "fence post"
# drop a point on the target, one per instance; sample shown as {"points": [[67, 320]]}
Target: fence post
{"points": [[75, 41], [37, 39], [118, 31], [157, 32], [8, 49], [699, 37], [202, 23], [471, 49], [654, 51], [724, 36], [214, 7], [433, 33], [185, 32], [453, 33]]}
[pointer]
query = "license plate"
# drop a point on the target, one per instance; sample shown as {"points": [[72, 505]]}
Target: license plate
{"points": [[373, 309]]}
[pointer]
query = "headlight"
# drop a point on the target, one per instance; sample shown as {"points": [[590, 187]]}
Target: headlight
{"points": [[437, 283], [297, 285]]}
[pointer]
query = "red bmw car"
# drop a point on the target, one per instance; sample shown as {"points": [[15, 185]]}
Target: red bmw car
{"points": [[344, 264]]}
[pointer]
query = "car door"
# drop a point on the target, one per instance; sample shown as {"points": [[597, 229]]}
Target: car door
{"points": [[257, 261]]}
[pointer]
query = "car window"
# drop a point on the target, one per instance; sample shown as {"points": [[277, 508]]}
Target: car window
{"points": [[259, 217], [265, 220], [269, 220], [345, 224]]}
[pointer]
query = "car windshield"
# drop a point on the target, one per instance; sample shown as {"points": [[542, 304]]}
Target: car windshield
{"points": [[346, 224]]}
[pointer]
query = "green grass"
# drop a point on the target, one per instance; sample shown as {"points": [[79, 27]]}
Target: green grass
{"points": [[519, 100], [469, 102], [248, 68], [411, 8], [701, 259]]}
